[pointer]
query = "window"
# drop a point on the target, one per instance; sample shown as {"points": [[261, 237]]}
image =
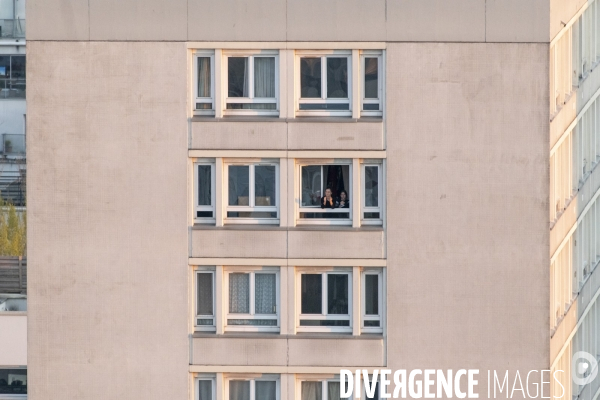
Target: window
{"points": [[325, 193], [204, 195], [372, 194], [13, 383], [252, 194], [325, 83], [253, 299], [372, 90], [12, 76], [205, 295], [325, 301], [372, 301], [252, 83], [321, 389], [205, 387], [263, 388], [204, 88]]}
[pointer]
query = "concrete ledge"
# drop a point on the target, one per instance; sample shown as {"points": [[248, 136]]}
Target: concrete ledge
{"points": [[242, 135], [338, 244], [338, 136], [253, 243]]}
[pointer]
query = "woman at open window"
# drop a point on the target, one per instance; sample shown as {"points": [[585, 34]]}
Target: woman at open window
{"points": [[343, 201], [327, 200]]}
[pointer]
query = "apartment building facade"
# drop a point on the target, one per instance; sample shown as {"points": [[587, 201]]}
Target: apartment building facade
{"points": [[237, 199]]}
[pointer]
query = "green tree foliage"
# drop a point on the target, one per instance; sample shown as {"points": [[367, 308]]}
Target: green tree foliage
{"points": [[13, 230]]}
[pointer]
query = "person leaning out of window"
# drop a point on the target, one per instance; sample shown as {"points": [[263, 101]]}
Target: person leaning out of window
{"points": [[327, 201], [343, 201]]}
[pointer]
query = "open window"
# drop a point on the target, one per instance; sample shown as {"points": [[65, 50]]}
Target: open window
{"points": [[252, 299], [325, 299], [252, 83], [204, 82], [324, 192], [252, 192], [263, 387], [372, 193], [372, 83], [204, 193], [204, 319], [324, 83]]}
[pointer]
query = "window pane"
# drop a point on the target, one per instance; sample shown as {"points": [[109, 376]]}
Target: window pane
{"points": [[337, 293], [205, 293], [375, 393], [311, 185], [204, 185], [264, 185], [239, 390], [252, 322], [371, 76], [311, 293], [371, 324], [337, 78], [372, 186], [204, 77], [251, 106], [324, 322], [205, 390], [238, 76], [239, 293], [264, 76], [18, 67], [265, 293], [371, 107], [325, 106], [4, 67], [252, 214], [333, 391], [371, 295], [239, 183], [337, 178], [311, 391], [13, 382], [265, 390], [310, 77]]}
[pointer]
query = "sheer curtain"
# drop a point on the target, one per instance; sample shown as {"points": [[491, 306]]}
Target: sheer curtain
{"points": [[333, 391], [311, 391], [264, 287], [239, 293], [264, 76], [203, 76], [205, 389], [239, 390], [265, 390]]}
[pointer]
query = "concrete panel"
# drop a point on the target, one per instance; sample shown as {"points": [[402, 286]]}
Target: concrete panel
{"points": [[239, 351], [331, 352], [561, 12], [13, 339], [336, 243], [467, 253], [57, 20], [343, 20], [107, 217], [138, 20], [561, 121], [243, 135], [335, 136], [517, 21], [436, 21], [237, 20], [240, 241], [563, 224]]}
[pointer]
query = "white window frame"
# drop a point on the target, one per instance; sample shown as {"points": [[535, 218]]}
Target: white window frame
{"points": [[324, 272], [364, 317], [204, 377], [250, 54], [252, 315], [251, 194], [324, 100], [380, 83], [211, 99], [199, 208], [253, 379], [205, 328], [379, 208], [324, 382], [319, 210]]}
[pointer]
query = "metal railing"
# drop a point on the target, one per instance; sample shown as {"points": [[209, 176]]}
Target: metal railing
{"points": [[13, 143], [12, 88], [13, 185], [13, 275], [12, 28]]}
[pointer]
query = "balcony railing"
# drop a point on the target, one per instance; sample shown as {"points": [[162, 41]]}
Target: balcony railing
{"points": [[13, 143], [12, 28], [13, 275], [12, 88]]}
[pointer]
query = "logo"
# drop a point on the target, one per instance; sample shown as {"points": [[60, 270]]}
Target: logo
{"points": [[584, 368]]}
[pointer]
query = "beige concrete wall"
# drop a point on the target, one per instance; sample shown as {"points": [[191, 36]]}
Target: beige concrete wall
{"points": [[294, 20], [467, 185], [13, 339], [107, 237], [319, 351]]}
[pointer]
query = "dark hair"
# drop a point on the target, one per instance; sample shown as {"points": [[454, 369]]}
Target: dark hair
{"points": [[344, 191], [328, 188]]}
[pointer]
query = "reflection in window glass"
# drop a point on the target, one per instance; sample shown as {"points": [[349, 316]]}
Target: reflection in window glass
{"points": [[311, 288], [371, 186], [311, 185], [204, 79], [337, 77], [239, 390], [264, 76], [310, 77], [13, 381], [264, 185], [205, 293], [239, 293], [371, 294], [371, 78], [337, 293], [238, 76], [204, 185], [239, 183], [205, 390]]}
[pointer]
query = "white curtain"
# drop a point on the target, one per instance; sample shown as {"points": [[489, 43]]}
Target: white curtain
{"points": [[203, 76], [264, 287], [333, 390], [311, 391], [265, 390], [205, 389], [264, 76], [239, 390], [239, 293]]}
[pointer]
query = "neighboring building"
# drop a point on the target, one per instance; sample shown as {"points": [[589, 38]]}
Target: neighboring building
{"points": [[179, 153]]}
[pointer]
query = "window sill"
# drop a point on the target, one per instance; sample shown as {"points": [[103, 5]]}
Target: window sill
{"points": [[260, 118], [256, 227], [266, 335]]}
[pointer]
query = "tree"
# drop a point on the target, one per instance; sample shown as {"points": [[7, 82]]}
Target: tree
{"points": [[13, 230]]}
